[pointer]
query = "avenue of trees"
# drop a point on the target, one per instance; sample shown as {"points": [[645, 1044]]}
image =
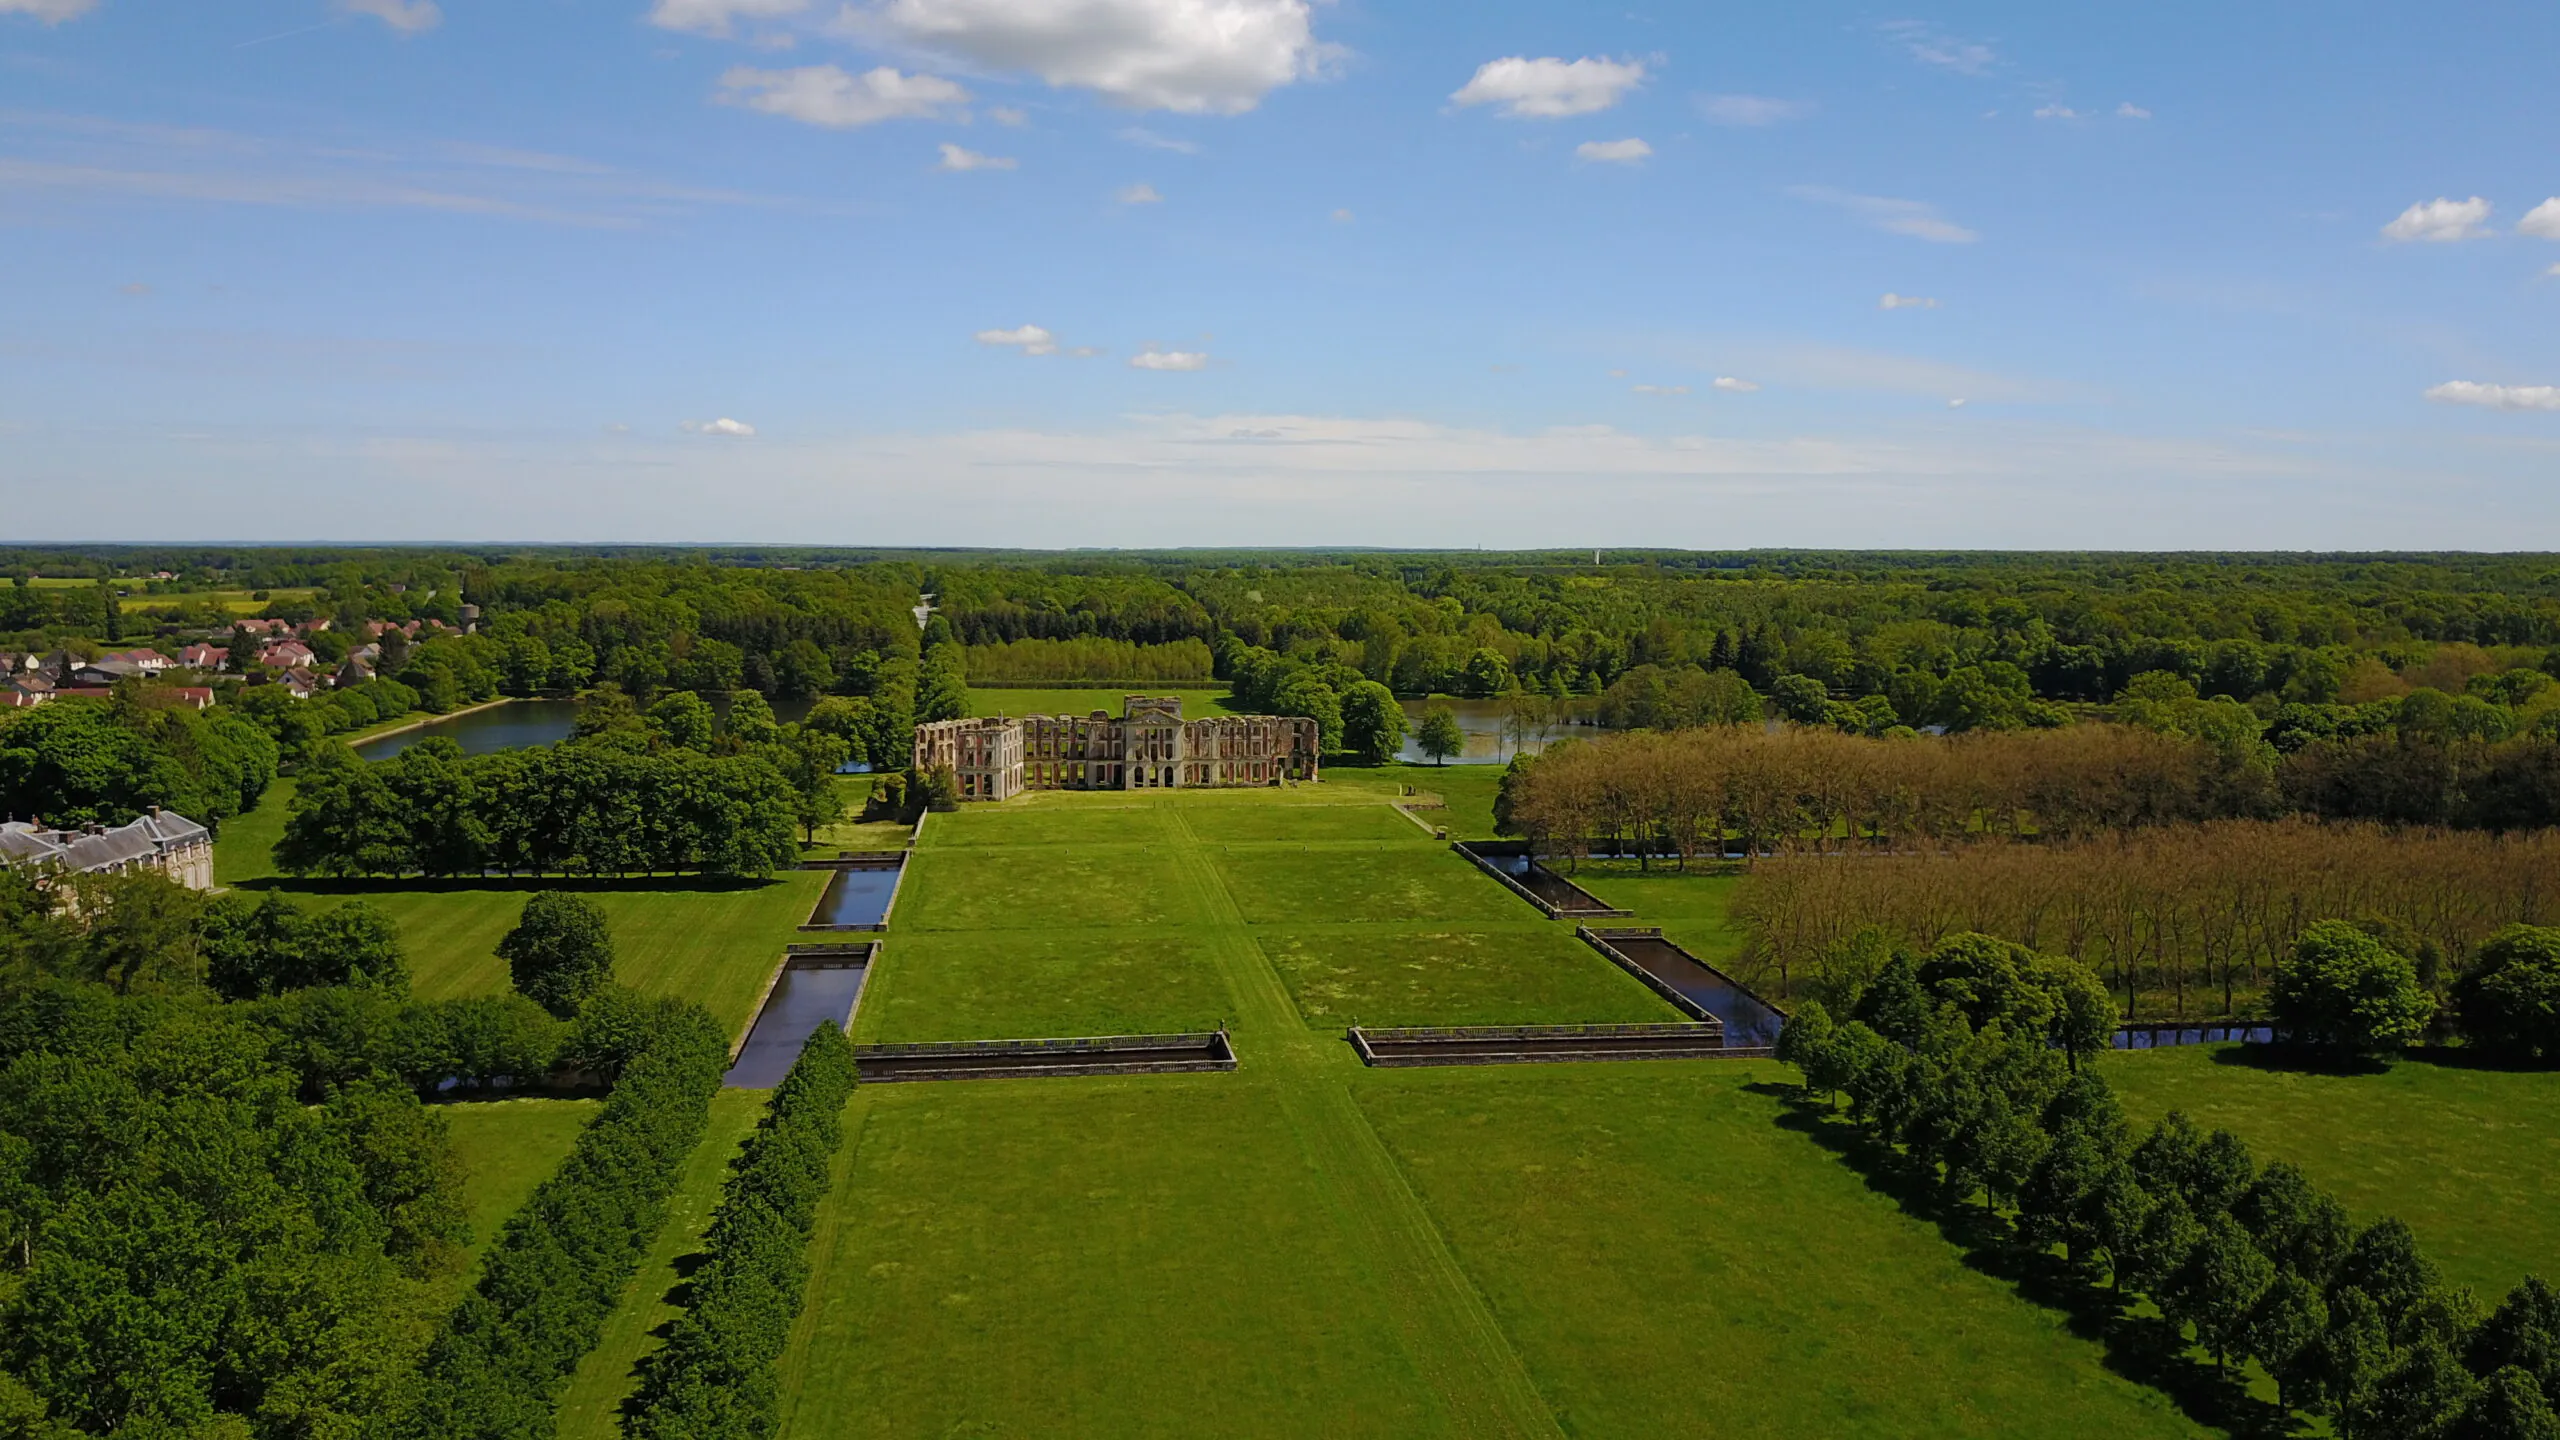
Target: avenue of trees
{"points": [[715, 1377], [1949, 1067]]}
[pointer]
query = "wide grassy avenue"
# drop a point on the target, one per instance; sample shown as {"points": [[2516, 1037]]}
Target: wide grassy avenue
{"points": [[1307, 1247]]}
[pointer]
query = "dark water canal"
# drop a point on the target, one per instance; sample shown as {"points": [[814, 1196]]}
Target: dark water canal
{"points": [[857, 897], [1746, 1020], [806, 997]]}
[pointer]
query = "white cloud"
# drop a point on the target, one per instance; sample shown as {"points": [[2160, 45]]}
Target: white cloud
{"points": [[1892, 301], [1087, 352], [713, 17], [826, 95], [724, 427], [2542, 221], [1342, 217], [51, 12], [1659, 389], [1029, 339], [960, 157], [1141, 135], [2131, 111], [1956, 404], [409, 17], [1613, 152], [2497, 397], [1217, 57], [1932, 46], [2058, 112], [1735, 386], [1752, 110], [1550, 89], [1153, 359], [1006, 115], [1915, 218], [2553, 272], [1139, 194], [2440, 219]]}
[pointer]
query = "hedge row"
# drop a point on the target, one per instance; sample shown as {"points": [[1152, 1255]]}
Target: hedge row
{"points": [[563, 1261], [715, 1378], [2353, 1324]]}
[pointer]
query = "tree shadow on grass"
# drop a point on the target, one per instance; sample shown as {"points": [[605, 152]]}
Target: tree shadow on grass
{"points": [[2295, 1060], [509, 884], [2146, 1349]]}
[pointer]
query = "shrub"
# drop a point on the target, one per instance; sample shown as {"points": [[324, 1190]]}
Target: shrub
{"points": [[560, 952], [2345, 992], [2509, 996]]}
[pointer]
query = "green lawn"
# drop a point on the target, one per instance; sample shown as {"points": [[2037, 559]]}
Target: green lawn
{"points": [[1022, 984], [2466, 1157], [1249, 824], [507, 1147], [1533, 974], [1279, 885], [1690, 905], [590, 1406], [1467, 791], [1108, 1258], [245, 847], [1055, 820], [949, 887], [1669, 1261]]}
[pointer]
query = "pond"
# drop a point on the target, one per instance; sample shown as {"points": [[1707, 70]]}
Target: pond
{"points": [[511, 726], [857, 898], [1491, 736], [520, 723], [804, 998]]}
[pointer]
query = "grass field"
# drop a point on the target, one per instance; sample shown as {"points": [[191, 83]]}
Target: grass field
{"points": [[1527, 974], [1668, 1260], [506, 1148], [1327, 884], [1016, 984], [2465, 1156], [711, 941], [1690, 905]]}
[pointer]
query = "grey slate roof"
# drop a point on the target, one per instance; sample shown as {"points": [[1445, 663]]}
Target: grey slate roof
{"points": [[81, 852]]}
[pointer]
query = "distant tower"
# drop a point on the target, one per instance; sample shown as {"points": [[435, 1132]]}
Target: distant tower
{"points": [[1595, 557]]}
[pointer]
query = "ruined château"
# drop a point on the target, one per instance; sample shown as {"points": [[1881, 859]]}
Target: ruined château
{"points": [[1150, 747]]}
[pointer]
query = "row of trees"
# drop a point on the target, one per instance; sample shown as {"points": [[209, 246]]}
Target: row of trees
{"points": [[2182, 921], [561, 1264], [1798, 790], [578, 808], [81, 761], [715, 1377], [1090, 660], [2255, 1262]]}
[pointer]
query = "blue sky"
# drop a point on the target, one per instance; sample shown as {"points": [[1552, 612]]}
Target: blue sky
{"points": [[1150, 272]]}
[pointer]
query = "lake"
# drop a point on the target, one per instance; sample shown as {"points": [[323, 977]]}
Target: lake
{"points": [[514, 725], [1486, 726]]}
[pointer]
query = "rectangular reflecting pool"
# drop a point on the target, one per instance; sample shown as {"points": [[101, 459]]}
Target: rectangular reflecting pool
{"points": [[858, 896], [1694, 985], [811, 991]]}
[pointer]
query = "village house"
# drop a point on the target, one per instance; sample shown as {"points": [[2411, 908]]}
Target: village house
{"points": [[204, 657], [286, 655], [161, 840]]}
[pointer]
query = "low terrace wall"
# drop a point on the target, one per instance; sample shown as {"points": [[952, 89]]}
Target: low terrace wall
{"points": [[1541, 1044], [1078, 1055]]}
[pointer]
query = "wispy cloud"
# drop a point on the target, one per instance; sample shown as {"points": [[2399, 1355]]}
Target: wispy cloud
{"points": [[1614, 152], [50, 12], [1915, 218], [826, 95], [1892, 301], [1659, 389], [723, 428], [1751, 110], [2496, 397], [717, 17], [1139, 194], [1735, 385], [2058, 112], [1154, 359], [2130, 111], [1930, 45], [76, 155], [1142, 136], [405, 17], [1029, 339], [960, 157]]}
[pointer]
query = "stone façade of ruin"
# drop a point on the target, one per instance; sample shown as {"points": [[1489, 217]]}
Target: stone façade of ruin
{"points": [[1150, 747]]}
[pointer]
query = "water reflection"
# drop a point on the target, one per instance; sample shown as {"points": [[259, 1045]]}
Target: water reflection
{"points": [[1494, 730], [804, 998], [511, 726], [857, 898]]}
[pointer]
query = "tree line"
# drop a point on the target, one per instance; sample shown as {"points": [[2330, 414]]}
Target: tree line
{"points": [[578, 808], [1948, 1072], [2182, 921], [77, 762], [715, 1377], [1090, 660], [559, 1267]]}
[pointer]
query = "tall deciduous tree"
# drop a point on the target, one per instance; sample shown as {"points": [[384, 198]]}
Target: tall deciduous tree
{"points": [[560, 951], [1372, 722], [1439, 735], [2345, 993]]}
